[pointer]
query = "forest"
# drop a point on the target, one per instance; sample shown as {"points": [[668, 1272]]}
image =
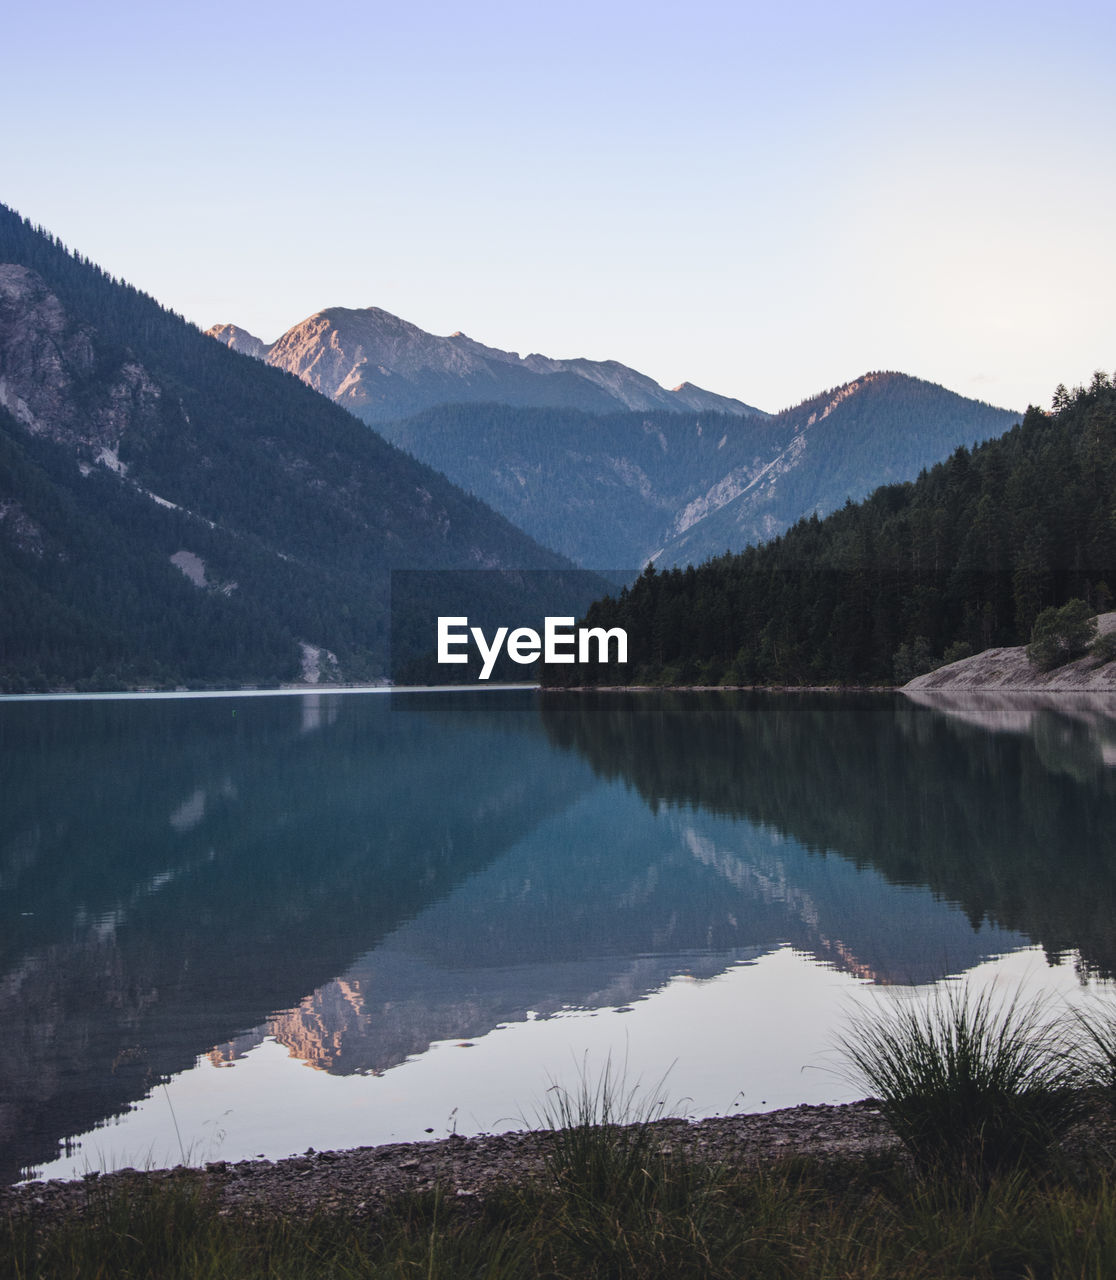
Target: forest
{"points": [[964, 558]]}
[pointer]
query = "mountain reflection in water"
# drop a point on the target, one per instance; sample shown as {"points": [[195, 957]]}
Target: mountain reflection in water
{"points": [[360, 877]]}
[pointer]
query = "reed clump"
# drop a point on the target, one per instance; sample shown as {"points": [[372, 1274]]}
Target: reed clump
{"points": [[603, 1140], [1095, 1046], [970, 1086]]}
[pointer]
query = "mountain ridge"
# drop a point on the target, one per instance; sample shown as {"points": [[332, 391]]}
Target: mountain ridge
{"points": [[584, 481], [380, 366], [962, 560], [620, 490], [879, 428]]}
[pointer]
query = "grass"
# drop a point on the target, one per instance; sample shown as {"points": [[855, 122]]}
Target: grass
{"points": [[860, 1220], [1097, 1045], [619, 1202], [970, 1087], [604, 1143]]}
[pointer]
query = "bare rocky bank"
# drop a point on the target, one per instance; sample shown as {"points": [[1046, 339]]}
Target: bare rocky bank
{"points": [[1008, 670], [362, 1181]]}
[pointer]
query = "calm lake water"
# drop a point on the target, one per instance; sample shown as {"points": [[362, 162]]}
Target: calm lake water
{"points": [[238, 926]]}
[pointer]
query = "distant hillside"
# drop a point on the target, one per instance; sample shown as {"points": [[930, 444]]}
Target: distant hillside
{"points": [[381, 367], [962, 560], [617, 490], [841, 444], [602, 489], [170, 512]]}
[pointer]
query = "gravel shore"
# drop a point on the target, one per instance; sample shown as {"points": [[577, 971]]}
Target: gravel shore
{"points": [[361, 1181]]}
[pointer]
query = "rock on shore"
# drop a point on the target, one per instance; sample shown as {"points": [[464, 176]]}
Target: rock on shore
{"points": [[1008, 669]]}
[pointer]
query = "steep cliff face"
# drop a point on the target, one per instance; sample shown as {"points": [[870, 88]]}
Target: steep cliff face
{"points": [[381, 367], [54, 380]]}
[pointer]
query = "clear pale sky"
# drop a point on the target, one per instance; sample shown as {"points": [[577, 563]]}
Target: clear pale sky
{"points": [[765, 200]]}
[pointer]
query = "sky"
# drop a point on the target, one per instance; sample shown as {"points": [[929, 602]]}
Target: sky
{"points": [[764, 200]]}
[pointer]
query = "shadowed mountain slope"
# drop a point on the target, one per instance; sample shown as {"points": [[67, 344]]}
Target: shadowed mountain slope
{"points": [[170, 512], [616, 490]]}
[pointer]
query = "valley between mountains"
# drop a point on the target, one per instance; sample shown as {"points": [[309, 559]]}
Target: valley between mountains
{"points": [[599, 461]]}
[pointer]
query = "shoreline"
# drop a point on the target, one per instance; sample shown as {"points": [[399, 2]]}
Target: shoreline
{"points": [[720, 688], [362, 1180], [253, 691], [957, 678]]}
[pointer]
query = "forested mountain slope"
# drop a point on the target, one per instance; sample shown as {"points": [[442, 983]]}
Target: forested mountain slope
{"points": [[171, 512], [962, 559], [615, 490], [603, 489], [841, 444]]}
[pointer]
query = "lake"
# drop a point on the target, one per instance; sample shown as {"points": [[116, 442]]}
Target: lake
{"points": [[241, 925]]}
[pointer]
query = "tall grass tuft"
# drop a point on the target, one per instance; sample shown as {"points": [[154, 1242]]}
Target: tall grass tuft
{"points": [[603, 1140], [623, 1203], [1097, 1050], [969, 1087]]}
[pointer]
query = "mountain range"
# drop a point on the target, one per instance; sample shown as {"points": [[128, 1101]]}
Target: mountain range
{"points": [[599, 461], [381, 367], [964, 559]]}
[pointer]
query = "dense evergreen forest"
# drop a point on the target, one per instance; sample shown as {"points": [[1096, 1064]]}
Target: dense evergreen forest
{"points": [[962, 559]]}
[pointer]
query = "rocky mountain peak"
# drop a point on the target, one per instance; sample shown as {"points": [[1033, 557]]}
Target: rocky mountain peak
{"points": [[239, 340], [382, 367]]}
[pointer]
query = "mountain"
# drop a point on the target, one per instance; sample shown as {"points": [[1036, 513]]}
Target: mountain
{"points": [[239, 340], [602, 489], [381, 367], [617, 490], [880, 428], [171, 513], [602, 463], [962, 560]]}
